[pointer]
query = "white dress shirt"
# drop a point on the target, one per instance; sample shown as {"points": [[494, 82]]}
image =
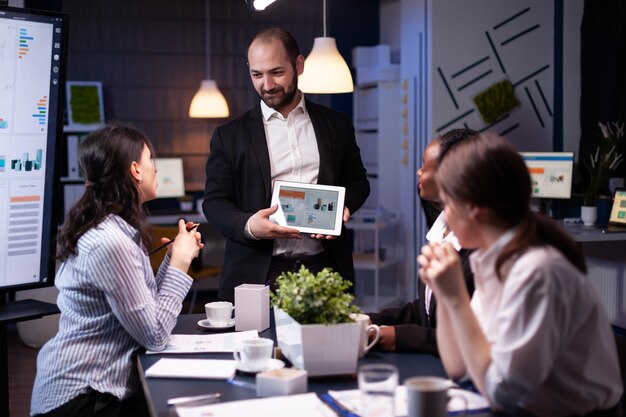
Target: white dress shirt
{"points": [[294, 156], [552, 348], [437, 234]]}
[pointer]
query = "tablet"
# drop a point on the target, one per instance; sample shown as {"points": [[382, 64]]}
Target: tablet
{"points": [[310, 208]]}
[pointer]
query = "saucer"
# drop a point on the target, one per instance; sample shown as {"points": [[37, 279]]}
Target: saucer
{"points": [[272, 364], [205, 323]]}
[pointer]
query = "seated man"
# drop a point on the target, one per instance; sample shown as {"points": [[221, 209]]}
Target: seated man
{"points": [[411, 327]]}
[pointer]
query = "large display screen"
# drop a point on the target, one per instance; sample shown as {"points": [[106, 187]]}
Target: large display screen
{"points": [[550, 173], [32, 77]]}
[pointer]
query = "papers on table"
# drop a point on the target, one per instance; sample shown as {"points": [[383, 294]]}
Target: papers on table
{"points": [[302, 405], [192, 368], [476, 403], [191, 343], [310, 405]]}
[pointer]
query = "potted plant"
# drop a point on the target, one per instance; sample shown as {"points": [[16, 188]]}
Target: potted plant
{"points": [[313, 324], [601, 164]]}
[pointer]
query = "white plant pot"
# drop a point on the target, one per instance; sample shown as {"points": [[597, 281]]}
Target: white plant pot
{"points": [[320, 349], [589, 215]]}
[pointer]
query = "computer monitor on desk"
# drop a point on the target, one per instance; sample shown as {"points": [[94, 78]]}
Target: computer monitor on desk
{"points": [[171, 187], [550, 175]]}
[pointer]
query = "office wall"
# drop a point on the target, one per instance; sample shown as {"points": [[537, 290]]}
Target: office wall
{"points": [[150, 57]]}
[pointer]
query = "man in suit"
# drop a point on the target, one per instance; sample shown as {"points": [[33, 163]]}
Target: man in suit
{"points": [[411, 327], [284, 137]]}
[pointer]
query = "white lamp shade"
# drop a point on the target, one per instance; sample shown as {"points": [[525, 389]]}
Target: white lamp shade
{"points": [[261, 4], [208, 101], [325, 70]]}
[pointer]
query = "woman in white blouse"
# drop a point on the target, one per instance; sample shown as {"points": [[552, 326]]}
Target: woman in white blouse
{"points": [[534, 338], [111, 303]]}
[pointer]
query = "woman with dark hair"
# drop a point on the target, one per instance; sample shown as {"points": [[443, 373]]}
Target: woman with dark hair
{"points": [[411, 326], [111, 303], [534, 338]]}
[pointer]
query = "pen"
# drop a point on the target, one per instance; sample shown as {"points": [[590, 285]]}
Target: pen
{"points": [[196, 399], [243, 384], [189, 229], [334, 405]]}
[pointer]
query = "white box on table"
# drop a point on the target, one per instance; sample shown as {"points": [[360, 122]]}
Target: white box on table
{"points": [[252, 307], [284, 381]]}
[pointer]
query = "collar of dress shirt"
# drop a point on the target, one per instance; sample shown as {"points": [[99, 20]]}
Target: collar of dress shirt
{"points": [[268, 112], [435, 234], [484, 260], [128, 230]]}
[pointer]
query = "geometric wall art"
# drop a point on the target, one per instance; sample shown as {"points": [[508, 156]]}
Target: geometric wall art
{"points": [[493, 69]]}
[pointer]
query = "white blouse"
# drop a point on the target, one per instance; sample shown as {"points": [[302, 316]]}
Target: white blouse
{"points": [[553, 352]]}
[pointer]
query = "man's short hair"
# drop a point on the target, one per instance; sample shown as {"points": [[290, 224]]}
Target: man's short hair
{"points": [[285, 38]]}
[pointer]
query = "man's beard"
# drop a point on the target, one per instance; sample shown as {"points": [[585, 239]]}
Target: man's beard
{"points": [[283, 98]]}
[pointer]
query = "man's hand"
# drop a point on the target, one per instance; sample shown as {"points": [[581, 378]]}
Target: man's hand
{"points": [[263, 228], [387, 339], [346, 217]]}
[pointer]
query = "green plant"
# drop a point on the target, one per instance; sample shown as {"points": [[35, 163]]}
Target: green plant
{"points": [[496, 101], [604, 161], [314, 299]]}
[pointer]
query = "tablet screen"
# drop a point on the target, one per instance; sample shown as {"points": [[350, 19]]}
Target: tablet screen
{"points": [[310, 208]]}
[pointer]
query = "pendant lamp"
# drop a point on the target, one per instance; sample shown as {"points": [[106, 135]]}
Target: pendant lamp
{"points": [[209, 102], [259, 5], [325, 70]]}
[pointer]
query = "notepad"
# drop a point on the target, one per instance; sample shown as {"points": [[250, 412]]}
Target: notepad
{"points": [[194, 343], [301, 405], [192, 368]]}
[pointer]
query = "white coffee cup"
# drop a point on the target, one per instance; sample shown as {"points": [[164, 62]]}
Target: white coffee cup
{"points": [[365, 345], [219, 313], [427, 396], [254, 354]]}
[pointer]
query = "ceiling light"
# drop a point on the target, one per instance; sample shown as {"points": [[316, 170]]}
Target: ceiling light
{"points": [[208, 101], [259, 5], [325, 70]]}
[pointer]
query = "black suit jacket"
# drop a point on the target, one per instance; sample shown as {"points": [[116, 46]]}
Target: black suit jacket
{"points": [[238, 184], [415, 330]]}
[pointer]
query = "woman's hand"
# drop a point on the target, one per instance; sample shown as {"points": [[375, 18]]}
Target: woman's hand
{"points": [[440, 269], [186, 245]]}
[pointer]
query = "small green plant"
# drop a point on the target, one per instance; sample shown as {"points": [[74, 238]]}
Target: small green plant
{"points": [[314, 299], [496, 101]]}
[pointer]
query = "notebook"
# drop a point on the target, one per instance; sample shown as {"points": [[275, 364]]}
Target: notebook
{"points": [[617, 218]]}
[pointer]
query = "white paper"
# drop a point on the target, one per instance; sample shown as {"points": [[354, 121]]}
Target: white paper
{"points": [[191, 343], [301, 405], [351, 399], [192, 368]]}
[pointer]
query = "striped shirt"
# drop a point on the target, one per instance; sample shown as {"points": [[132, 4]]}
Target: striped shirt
{"points": [[111, 306]]}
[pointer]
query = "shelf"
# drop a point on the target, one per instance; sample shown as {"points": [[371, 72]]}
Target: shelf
{"points": [[361, 225], [71, 180], [368, 303], [370, 263], [80, 129]]}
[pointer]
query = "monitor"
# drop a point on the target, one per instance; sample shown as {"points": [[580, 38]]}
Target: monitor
{"points": [[32, 77], [550, 173], [170, 176]]}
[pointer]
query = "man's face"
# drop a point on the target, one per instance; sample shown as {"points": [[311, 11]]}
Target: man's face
{"points": [[272, 74]]}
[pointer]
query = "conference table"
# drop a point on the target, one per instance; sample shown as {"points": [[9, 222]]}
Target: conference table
{"points": [[159, 390]]}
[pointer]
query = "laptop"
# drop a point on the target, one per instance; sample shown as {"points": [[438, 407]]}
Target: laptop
{"points": [[617, 219]]}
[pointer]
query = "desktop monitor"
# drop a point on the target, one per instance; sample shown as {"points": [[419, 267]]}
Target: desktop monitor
{"points": [[170, 176], [550, 173], [32, 76]]}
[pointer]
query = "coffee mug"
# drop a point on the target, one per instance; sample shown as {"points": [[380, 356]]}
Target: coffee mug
{"points": [[254, 354], [365, 345], [427, 396], [219, 313]]}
